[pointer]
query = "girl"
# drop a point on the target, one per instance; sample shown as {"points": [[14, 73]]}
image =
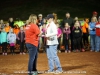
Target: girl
{"points": [[4, 41], [92, 33], [77, 34], [43, 33], [85, 32], [16, 31], [21, 38], [11, 38], [59, 36], [66, 37], [7, 28]]}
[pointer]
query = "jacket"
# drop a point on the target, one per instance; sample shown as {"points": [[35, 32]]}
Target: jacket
{"points": [[97, 29], [21, 36], [3, 37], [66, 33], [11, 38], [51, 34], [92, 28], [70, 21], [77, 33]]}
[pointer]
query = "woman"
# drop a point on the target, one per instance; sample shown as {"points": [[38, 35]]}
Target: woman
{"points": [[52, 43], [32, 37], [92, 33]]}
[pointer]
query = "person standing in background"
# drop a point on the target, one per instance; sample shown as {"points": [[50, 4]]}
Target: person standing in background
{"points": [[66, 37], [32, 39], [92, 33], [11, 22], [98, 35], [70, 21], [59, 34], [85, 31], [11, 38], [21, 38], [4, 41]]}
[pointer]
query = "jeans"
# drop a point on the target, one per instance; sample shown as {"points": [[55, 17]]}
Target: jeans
{"points": [[53, 58], [93, 41], [97, 43], [32, 58]]}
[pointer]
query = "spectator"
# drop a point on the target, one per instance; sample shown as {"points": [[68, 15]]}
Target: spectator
{"points": [[2, 23], [7, 27], [4, 42], [11, 38], [66, 37], [92, 33], [97, 36], [77, 34], [21, 38], [11, 22], [85, 32], [70, 21], [59, 35]]}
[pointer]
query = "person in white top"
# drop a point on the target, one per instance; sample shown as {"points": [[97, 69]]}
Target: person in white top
{"points": [[52, 43]]}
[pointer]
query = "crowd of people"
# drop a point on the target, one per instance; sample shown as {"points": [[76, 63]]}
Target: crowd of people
{"points": [[73, 33]]}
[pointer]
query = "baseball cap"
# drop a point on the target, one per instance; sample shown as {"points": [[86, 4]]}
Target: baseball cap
{"points": [[40, 15], [95, 13], [50, 16]]}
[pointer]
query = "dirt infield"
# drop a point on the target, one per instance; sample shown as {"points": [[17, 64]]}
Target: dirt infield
{"points": [[82, 63]]}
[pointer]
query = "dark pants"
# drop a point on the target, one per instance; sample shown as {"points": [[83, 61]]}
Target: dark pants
{"points": [[82, 47], [72, 44], [4, 47], [44, 43], [77, 43], [59, 39], [12, 48], [85, 38], [66, 44], [32, 58], [22, 46]]}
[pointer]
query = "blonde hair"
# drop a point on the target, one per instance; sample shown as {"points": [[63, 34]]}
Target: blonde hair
{"points": [[32, 18], [93, 19]]}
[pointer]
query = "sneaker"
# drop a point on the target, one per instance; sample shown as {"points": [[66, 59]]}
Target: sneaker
{"points": [[69, 51], [23, 53], [65, 51], [58, 72], [83, 50], [77, 50], [35, 73], [96, 51], [20, 53], [5, 53], [91, 50], [50, 71], [59, 51]]}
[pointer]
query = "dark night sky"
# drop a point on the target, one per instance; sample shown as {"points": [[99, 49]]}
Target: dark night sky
{"points": [[23, 8]]}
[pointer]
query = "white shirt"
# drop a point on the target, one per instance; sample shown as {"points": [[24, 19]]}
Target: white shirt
{"points": [[51, 32]]}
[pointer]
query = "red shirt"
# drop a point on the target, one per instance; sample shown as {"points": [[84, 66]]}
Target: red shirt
{"points": [[98, 29], [31, 34]]}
